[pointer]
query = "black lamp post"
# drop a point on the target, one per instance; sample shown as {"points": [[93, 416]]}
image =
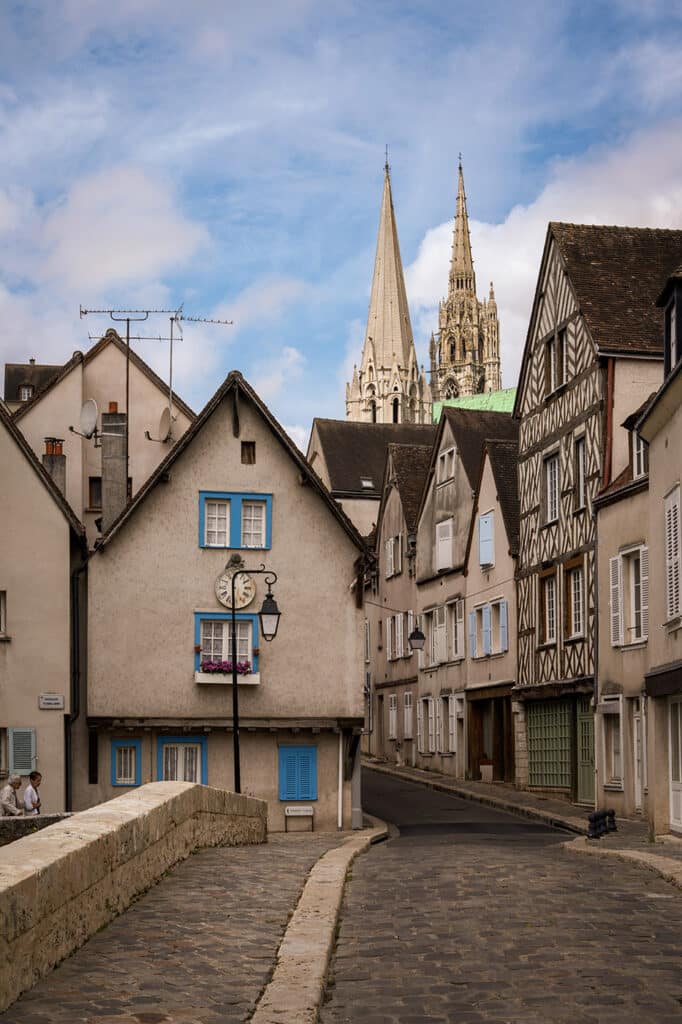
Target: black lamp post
{"points": [[269, 621], [416, 639]]}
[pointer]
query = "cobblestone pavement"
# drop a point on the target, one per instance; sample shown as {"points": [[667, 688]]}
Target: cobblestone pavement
{"points": [[198, 948], [471, 917]]}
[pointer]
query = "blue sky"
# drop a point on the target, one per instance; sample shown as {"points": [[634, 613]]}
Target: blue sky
{"points": [[230, 156]]}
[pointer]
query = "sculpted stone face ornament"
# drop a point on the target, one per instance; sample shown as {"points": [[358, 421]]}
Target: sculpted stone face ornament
{"points": [[244, 587]]}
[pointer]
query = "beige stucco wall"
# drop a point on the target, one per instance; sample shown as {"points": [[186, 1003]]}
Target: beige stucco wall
{"points": [[634, 381], [34, 573]]}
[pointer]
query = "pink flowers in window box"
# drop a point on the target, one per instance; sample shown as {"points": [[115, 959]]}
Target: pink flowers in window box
{"points": [[225, 667]]}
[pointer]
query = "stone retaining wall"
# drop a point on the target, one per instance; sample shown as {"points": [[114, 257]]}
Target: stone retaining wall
{"points": [[17, 826], [61, 885]]}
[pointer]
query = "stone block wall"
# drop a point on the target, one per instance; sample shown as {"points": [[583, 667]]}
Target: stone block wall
{"points": [[12, 828]]}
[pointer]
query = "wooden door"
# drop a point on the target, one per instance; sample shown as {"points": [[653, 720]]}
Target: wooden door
{"points": [[585, 752]]}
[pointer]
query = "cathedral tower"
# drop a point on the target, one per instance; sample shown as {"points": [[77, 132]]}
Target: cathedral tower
{"points": [[388, 387], [465, 354]]}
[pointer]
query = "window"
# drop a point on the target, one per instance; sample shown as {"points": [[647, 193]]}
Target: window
{"points": [[229, 520], [22, 751], [547, 616], [613, 742], [367, 643], [25, 392], [445, 469], [95, 492], [629, 596], [674, 347], [672, 554], [393, 552], [555, 361], [439, 646], [366, 483], [392, 716], [126, 761], [574, 602], [444, 533], [640, 456], [580, 493], [486, 539], [488, 632], [551, 473], [455, 628], [213, 637], [182, 759], [297, 773], [3, 613], [407, 715], [248, 453]]}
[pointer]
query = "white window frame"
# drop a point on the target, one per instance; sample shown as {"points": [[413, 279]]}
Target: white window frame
{"points": [[212, 511], [551, 483], [398, 625], [438, 650], [452, 724], [244, 639], [445, 469], [431, 718], [673, 544], [580, 457], [393, 716], [455, 629], [407, 715], [248, 503], [640, 456], [131, 753], [611, 708], [182, 750], [444, 542], [576, 596], [25, 392], [389, 568], [390, 654], [548, 583]]}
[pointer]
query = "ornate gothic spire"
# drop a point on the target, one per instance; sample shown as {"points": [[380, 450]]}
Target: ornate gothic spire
{"points": [[462, 277]]}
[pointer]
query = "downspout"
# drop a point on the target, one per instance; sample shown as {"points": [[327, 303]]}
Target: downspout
{"points": [[339, 820], [595, 647], [75, 701], [609, 422]]}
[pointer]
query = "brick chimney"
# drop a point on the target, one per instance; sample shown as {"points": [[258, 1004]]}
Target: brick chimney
{"points": [[54, 461], [114, 469]]}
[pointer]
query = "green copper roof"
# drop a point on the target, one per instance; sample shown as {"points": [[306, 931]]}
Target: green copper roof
{"points": [[494, 401]]}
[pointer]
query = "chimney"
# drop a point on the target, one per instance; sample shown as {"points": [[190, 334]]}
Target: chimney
{"points": [[54, 461], [114, 469]]}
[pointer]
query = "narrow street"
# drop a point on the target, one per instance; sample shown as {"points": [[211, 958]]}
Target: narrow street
{"points": [[472, 915]]}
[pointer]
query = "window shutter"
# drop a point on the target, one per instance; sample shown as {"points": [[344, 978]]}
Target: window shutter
{"points": [[307, 759], [421, 655], [459, 639], [22, 751], [398, 557], [388, 550], [432, 726], [287, 773], [444, 545], [420, 726], [439, 726], [644, 584], [407, 717], [410, 631], [504, 641], [389, 645], [486, 545], [472, 634], [439, 635], [615, 580], [486, 629], [452, 726], [672, 554], [399, 639]]}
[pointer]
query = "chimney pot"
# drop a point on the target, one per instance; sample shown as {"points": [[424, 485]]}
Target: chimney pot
{"points": [[113, 406]]}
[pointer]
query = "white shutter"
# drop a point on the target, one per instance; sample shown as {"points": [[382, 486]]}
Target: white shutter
{"points": [[389, 643], [392, 716], [398, 554], [644, 592], [616, 586], [452, 725], [432, 726], [423, 626], [459, 628], [672, 554], [407, 716], [444, 545], [388, 551], [410, 631], [420, 726], [440, 646], [22, 751], [399, 638], [439, 726]]}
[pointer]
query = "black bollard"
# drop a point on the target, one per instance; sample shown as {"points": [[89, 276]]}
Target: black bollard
{"points": [[611, 821], [593, 830]]}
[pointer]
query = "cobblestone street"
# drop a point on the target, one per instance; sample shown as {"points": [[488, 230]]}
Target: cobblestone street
{"points": [[475, 916], [196, 949]]}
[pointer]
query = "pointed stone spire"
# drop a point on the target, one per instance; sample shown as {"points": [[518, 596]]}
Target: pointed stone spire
{"points": [[462, 277]]}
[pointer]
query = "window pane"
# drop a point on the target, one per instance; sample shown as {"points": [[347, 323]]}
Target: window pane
{"points": [[170, 762], [125, 765], [253, 524], [191, 762], [212, 648], [217, 523]]}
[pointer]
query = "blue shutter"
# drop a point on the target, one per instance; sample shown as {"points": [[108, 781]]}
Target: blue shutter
{"points": [[472, 634], [298, 773], [486, 550], [485, 629], [287, 773], [504, 642], [308, 773]]}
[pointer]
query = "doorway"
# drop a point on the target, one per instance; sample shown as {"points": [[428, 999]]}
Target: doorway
{"points": [[585, 730]]}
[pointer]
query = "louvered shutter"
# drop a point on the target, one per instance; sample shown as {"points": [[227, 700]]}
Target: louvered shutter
{"points": [[459, 627], [486, 545], [672, 554], [22, 751], [504, 640], [644, 584], [389, 638], [287, 774], [452, 725], [399, 637], [615, 582], [407, 716], [439, 725], [472, 634], [410, 631], [421, 655], [439, 635], [432, 726], [398, 554], [486, 629], [444, 545], [307, 781], [388, 550], [420, 726]]}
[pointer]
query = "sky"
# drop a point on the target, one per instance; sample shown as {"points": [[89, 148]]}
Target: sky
{"points": [[229, 156]]}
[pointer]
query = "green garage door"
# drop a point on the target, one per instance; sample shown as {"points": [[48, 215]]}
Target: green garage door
{"points": [[549, 743]]}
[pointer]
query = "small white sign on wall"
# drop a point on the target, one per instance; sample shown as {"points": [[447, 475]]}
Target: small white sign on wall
{"points": [[51, 702]]}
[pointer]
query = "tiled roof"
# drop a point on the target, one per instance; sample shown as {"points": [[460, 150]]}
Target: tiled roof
{"points": [[356, 451], [618, 274], [35, 374], [503, 457], [494, 401], [410, 464], [472, 428]]}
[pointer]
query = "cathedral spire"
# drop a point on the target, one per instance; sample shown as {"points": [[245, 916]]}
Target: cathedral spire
{"points": [[462, 277]]}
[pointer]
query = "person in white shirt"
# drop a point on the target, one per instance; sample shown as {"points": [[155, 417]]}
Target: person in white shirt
{"points": [[9, 805], [31, 797]]}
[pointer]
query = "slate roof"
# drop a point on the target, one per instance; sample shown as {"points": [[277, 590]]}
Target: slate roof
{"points": [[618, 274], [472, 428], [356, 450], [503, 457], [410, 464], [36, 374]]}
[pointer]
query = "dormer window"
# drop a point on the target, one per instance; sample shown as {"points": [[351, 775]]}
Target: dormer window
{"points": [[445, 469], [640, 456], [366, 483], [25, 392], [555, 361], [675, 347]]}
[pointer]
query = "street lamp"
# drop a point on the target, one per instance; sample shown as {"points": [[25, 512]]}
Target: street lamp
{"points": [[268, 616], [416, 639]]}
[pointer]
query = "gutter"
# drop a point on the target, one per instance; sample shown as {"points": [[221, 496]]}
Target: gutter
{"points": [[75, 701]]}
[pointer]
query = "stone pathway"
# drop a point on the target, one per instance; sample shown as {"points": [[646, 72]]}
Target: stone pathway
{"points": [[198, 948]]}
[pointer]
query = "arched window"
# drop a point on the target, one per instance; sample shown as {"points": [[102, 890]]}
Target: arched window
{"points": [[450, 390], [396, 410], [373, 410]]}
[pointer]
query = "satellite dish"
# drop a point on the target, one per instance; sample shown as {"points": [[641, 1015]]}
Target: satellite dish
{"points": [[165, 424], [89, 417]]}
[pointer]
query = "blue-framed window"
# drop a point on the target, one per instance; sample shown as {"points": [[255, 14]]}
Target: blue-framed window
{"points": [[239, 521], [298, 773], [126, 762], [213, 635], [182, 759]]}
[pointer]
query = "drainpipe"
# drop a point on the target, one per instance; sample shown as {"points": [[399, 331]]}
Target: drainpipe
{"points": [[595, 647], [339, 822], [75, 702], [609, 422]]}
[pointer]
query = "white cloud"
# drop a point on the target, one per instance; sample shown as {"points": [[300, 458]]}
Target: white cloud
{"points": [[264, 300], [638, 183], [270, 377], [298, 434]]}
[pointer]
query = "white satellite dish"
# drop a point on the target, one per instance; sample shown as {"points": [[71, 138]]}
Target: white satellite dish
{"points": [[165, 424], [89, 417]]}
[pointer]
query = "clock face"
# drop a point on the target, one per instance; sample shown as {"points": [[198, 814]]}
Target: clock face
{"points": [[244, 590]]}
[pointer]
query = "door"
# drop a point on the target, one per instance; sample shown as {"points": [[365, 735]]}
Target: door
{"points": [[380, 726], [637, 753], [585, 752], [675, 715], [181, 762]]}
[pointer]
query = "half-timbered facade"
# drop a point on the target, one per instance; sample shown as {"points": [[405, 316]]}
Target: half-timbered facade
{"points": [[593, 350]]}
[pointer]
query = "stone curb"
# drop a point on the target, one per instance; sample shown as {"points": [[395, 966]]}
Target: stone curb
{"points": [[294, 993], [667, 867], [548, 817]]}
